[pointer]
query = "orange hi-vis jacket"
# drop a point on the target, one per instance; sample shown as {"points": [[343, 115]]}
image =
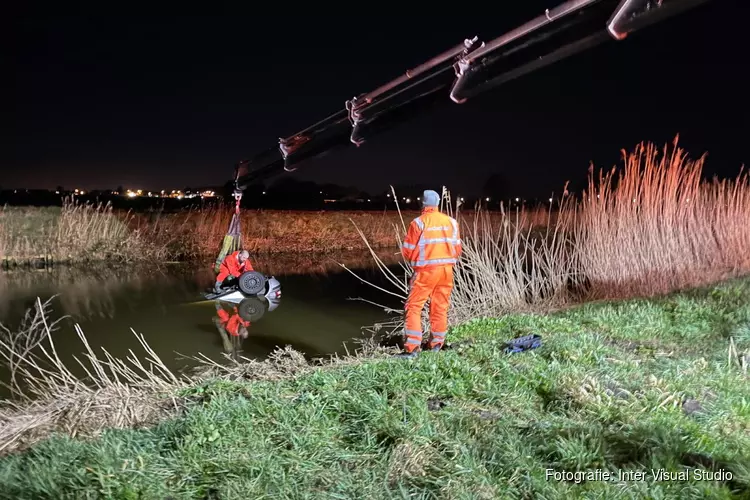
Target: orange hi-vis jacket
{"points": [[432, 240], [231, 267], [232, 322]]}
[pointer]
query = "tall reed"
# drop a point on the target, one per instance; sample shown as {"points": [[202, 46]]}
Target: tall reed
{"points": [[651, 227], [79, 232], [511, 265], [198, 233], [76, 232], [655, 226]]}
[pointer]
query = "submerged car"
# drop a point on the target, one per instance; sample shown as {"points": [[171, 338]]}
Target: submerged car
{"points": [[254, 294]]}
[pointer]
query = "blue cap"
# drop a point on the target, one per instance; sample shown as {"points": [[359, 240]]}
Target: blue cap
{"points": [[430, 198]]}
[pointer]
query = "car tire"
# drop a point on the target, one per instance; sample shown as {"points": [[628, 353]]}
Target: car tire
{"points": [[251, 309], [252, 283]]}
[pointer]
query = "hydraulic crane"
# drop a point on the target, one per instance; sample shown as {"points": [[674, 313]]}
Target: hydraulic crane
{"points": [[468, 69]]}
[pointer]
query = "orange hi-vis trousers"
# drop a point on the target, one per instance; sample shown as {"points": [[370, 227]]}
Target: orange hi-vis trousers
{"points": [[434, 283]]}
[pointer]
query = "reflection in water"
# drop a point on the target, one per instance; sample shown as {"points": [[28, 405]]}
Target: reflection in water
{"points": [[86, 293], [167, 307], [232, 329], [233, 323]]}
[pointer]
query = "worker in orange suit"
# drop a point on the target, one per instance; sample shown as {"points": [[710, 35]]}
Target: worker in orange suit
{"points": [[231, 268], [432, 247]]}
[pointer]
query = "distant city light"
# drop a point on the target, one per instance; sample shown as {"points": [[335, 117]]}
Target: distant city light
{"points": [[517, 200], [208, 193], [550, 200], [488, 199], [462, 199]]}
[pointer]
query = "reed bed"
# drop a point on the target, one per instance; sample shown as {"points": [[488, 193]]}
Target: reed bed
{"points": [[655, 226], [73, 233], [648, 228], [53, 398], [197, 233], [77, 233], [272, 232]]}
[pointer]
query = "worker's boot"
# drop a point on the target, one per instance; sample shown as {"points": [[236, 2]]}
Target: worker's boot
{"points": [[217, 287], [408, 355]]}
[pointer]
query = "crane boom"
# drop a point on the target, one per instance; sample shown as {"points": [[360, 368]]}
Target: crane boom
{"points": [[466, 70]]}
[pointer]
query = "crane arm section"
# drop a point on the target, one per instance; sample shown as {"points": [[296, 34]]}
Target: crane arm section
{"points": [[463, 72]]}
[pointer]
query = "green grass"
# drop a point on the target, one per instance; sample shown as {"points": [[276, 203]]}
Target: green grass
{"points": [[604, 392]]}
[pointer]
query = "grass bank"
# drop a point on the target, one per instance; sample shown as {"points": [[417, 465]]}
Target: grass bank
{"points": [[617, 386]]}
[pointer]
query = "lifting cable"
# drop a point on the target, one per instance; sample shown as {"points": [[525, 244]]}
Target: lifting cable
{"points": [[233, 239]]}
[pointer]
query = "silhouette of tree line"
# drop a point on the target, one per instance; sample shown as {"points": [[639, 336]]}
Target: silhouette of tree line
{"points": [[285, 193]]}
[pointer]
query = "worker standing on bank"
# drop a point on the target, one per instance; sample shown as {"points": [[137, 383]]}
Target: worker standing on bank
{"points": [[231, 268], [432, 247]]}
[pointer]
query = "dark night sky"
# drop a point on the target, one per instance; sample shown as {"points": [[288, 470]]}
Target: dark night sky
{"points": [[171, 102]]}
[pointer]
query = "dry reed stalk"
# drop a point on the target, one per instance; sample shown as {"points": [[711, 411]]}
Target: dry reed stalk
{"points": [[51, 397], [198, 233], [656, 227], [509, 263], [508, 268], [73, 233]]}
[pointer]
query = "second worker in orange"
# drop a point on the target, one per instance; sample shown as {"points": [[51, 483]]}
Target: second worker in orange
{"points": [[432, 247]]}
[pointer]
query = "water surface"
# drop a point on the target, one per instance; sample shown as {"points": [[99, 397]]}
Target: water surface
{"points": [[166, 306]]}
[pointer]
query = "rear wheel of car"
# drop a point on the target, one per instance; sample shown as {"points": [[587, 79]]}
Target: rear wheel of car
{"points": [[252, 282]]}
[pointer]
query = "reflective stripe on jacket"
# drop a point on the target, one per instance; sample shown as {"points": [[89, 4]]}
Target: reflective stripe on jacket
{"points": [[432, 239]]}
